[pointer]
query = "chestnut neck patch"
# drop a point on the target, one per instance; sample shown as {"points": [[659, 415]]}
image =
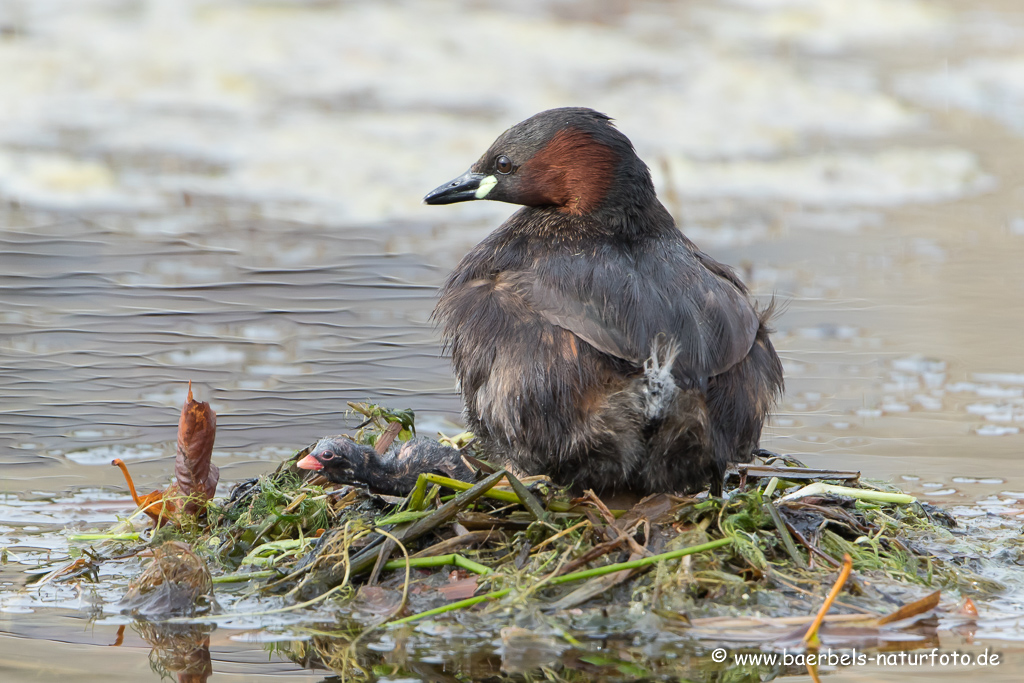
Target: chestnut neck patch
{"points": [[573, 172]]}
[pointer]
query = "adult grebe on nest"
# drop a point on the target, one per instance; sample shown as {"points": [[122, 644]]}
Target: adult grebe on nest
{"points": [[592, 341]]}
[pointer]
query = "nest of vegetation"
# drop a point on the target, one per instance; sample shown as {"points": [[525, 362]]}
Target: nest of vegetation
{"points": [[481, 554]]}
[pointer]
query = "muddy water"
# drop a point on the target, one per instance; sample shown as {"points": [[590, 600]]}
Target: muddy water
{"points": [[229, 193]]}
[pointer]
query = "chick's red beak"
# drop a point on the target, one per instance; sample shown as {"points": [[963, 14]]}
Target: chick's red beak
{"points": [[309, 463]]}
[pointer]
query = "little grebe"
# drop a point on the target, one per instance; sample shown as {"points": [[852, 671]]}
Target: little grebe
{"points": [[592, 341]]}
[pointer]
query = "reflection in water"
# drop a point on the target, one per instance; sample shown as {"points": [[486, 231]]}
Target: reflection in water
{"points": [[520, 655], [179, 650], [526, 655]]}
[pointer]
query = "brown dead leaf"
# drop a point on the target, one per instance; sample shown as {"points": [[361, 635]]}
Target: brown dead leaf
{"points": [[197, 476], [460, 589], [153, 504], [159, 506], [377, 600]]}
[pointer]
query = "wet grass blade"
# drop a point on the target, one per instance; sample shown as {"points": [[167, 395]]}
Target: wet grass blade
{"points": [[528, 500], [444, 514], [822, 489], [402, 517], [418, 494], [451, 607], [504, 496], [134, 536], [642, 562], [787, 538], [576, 576], [453, 559], [245, 576]]}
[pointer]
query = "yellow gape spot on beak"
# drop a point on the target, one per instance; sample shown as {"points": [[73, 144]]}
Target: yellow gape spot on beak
{"points": [[485, 186]]}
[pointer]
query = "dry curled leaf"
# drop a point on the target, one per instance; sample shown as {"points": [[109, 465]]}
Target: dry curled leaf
{"points": [[196, 476], [158, 505]]}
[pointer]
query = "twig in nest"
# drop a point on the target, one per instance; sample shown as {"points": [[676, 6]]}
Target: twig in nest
{"points": [[811, 637], [408, 569], [387, 437], [594, 553], [601, 507], [559, 535], [807, 544]]}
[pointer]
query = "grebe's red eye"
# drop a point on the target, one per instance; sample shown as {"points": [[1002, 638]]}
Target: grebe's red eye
{"points": [[503, 164]]}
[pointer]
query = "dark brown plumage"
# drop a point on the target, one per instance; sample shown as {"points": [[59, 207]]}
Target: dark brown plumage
{"points": [[344, 461], [592, 341]]}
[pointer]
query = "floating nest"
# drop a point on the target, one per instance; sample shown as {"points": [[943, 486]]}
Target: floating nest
{"points": [[550, 574]]}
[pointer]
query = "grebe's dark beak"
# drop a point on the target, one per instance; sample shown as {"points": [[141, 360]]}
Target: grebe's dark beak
{"points": [[465, 188]]}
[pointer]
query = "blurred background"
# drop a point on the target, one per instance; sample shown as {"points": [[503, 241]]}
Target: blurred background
{"points": [[230, 193]]}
